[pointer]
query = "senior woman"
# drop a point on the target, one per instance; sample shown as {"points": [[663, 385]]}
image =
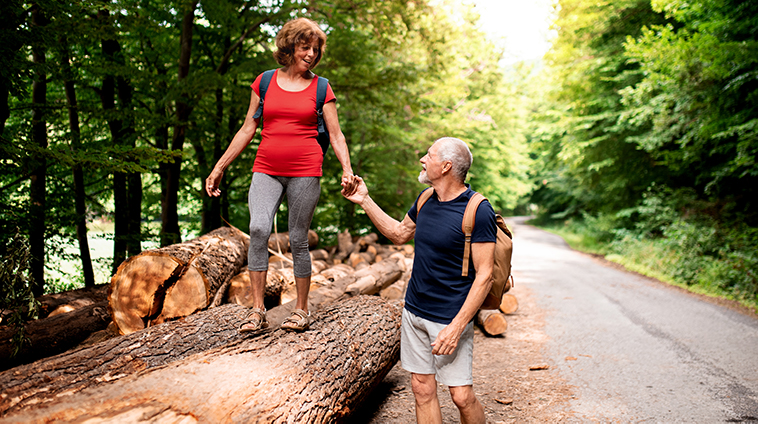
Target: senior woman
{"points": [[288, 161]]}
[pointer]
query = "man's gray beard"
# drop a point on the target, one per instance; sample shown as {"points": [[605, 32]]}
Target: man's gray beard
{"points": [[423, 179]]}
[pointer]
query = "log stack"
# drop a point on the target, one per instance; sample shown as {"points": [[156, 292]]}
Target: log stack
{"points": [[174, 281]]}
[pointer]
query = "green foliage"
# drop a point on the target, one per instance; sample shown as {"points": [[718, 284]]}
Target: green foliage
{"points": [[17, 302]]}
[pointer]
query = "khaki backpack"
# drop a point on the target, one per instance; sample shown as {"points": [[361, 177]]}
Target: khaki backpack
{"points": [[502, 280]]}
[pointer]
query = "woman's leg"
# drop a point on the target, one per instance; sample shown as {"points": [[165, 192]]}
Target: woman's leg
{"points": [[264, 197], [302, 196]]}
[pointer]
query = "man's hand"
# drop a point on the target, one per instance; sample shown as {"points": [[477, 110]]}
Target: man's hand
{"points": [[447, 339], [354, 189]]}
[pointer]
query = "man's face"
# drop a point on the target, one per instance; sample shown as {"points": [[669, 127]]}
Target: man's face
{"points": [[431, 166]]}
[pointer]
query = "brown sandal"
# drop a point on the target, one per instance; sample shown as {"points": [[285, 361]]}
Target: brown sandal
{"points": [[298, 321], [255, 321]]}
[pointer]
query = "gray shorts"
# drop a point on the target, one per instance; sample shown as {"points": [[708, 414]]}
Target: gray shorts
{"points": [[417, 335]]}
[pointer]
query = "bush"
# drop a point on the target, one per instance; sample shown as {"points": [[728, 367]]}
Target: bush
{"points": [[16, 298]]}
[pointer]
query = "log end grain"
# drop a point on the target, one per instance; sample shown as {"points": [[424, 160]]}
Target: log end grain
{"points": [[509, 304], [133, 286]]}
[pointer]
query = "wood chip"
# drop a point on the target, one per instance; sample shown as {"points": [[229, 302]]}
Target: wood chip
{"points": [[504, 401], [570, 358], [539, 367]]}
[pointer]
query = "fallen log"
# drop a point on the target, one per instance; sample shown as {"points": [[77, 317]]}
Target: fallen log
{"points": [[58, 377], [53, 335], [315, 377], [492, 322], [509, 304], [174, 281]]}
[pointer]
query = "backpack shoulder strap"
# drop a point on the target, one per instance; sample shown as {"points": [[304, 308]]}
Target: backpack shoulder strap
{"points": [[320, 99], [467, 226], [262, 88], [422, 198]]}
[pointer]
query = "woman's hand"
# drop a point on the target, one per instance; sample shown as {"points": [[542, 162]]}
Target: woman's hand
{"points": [[349, 183], [212, 182]]}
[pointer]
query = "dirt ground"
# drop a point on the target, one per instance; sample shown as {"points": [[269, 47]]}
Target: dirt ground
{"points": [[503, 381]]}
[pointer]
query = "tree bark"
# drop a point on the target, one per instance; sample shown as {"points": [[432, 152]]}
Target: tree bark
{"points": [[61, 376], [79, 192], [37, 189], [174, 281], [315, 377], [170, 233], [53, 335]]}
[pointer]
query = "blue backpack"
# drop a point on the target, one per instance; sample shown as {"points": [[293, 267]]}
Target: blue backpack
{"points": [[323, 134]]}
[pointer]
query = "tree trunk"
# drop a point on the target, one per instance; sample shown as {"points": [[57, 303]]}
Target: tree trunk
{"points": [[316, 377], [493, 323], [51, 303], [174, 281], [38, 177], [65, 375], [170, 233], [53, 335], [79, 192]]}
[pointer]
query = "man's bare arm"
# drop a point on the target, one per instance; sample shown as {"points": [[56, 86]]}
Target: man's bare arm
{"points": [[398, 232]]}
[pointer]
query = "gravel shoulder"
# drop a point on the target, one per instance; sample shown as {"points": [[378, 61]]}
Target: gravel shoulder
{"points": [[503, 382]]}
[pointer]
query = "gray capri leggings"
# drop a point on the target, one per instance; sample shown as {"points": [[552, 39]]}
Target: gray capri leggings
{"points": [[263, 199]]}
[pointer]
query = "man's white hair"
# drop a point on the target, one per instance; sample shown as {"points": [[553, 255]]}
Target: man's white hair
{"points": [[457, 152]]}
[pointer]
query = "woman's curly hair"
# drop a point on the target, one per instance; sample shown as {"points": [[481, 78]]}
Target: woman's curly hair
{"points": [[294, 32]]}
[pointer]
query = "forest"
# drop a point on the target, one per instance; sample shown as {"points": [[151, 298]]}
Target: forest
{"points": [[636, 133]]}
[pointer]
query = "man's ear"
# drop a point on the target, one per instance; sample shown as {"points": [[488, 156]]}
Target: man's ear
{"points": [[447, 167]]}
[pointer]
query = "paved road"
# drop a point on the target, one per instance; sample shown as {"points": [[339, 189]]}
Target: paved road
{"points": [[634, 349]]}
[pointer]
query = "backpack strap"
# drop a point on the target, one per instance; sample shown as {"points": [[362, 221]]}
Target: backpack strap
{"points": [[469, 218], [422, 198], [323, 133], [262, 88]]}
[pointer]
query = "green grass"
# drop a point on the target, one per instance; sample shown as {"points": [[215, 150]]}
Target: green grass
{"points": [[651, 258]]}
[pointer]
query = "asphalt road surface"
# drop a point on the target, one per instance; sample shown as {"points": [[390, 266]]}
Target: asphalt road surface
{"points": [[634, 349]]}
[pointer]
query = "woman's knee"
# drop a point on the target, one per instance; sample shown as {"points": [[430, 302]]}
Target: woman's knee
{"points": [[259, 231]]}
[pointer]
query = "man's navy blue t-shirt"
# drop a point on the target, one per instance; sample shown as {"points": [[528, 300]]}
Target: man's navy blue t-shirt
{"points": [[437, 290]]}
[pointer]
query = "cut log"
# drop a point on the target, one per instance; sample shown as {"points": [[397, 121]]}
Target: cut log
{"points": [[396, 290], [280, 242], [320, 255], [174, 281], [315, 377], [375, 278], [509, 304], [53, 335], [492, 322], [239, 288], [69, 300], [345, 246], [58, 377]]}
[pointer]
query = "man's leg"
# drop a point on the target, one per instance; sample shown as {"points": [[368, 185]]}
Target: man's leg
{"points": [[472, 412], [427, 403]]}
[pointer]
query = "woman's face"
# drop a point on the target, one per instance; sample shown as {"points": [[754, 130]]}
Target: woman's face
{"points": [[305, 55]]}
